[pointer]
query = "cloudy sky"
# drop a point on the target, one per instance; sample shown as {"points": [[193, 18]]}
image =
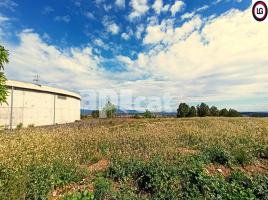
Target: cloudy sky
{"points": [[190, 51]]}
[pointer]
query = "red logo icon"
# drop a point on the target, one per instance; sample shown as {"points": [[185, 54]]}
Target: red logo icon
{"points": [[259, 11]]}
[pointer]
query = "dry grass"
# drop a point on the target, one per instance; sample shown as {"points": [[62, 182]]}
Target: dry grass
{"points": [[94, 143], [81, 143]]}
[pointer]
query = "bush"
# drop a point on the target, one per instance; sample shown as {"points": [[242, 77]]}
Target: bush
{"points": [[260, 186], [31, 126], [36, 181], [262, 152], [242, 157], [19, 126], [102, 188], [84, 195], [148, 114], [95, 113], [217, 154]]}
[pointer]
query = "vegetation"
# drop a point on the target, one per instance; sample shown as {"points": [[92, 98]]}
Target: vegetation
{"points": [[95, 113], [3, 60], [203, 110], [183, 110], [148, 114], [192, 158], [192, 112], [110, 109]]}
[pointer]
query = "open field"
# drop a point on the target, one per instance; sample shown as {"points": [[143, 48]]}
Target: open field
{"points": [[195, 158]]}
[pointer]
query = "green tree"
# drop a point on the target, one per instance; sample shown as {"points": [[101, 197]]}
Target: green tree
{"points": [[95, 113], [224, 112], [192, 112], [234, 113], [110, 109], [203, 110], [214, 111], [148, 114], [3, 89], [183, 110]]}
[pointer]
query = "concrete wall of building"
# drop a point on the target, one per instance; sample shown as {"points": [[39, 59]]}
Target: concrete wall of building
{"points": [[38, 105]]}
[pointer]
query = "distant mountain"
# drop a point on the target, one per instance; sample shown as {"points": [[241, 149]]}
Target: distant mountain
{"points": [[121, 111], [255, 114], [118, 111]]}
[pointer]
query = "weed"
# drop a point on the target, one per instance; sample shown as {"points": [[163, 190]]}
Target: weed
{"points": [[216, 154], [19, 126], [102, 188], [84, 195]]}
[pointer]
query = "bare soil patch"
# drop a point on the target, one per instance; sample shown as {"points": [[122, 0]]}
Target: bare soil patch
{"points": [[253, 169]]}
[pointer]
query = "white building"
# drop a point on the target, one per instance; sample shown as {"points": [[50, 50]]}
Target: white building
{"points": [[32, 104]]}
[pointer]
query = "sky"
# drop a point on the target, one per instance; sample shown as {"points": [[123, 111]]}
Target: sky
{"points": [[160, 52]]}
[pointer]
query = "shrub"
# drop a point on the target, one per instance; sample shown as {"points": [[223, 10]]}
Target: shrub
{"points": [[19, 126], [31, 126], [102, 188], [36, 181], [84, 195], [262, 152], [242, 157], [260, 186], [148, 114], [122, 169], [217, 154], [95, 113]]}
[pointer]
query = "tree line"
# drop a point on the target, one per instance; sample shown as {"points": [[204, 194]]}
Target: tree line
{"points": [[203, 110]]}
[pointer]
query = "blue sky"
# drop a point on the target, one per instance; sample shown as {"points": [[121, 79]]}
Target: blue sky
{"points": [[191, 51]]}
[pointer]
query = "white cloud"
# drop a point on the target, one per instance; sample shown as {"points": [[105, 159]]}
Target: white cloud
{"points": [[113, 28], [205, 7], [187, 15], [65, 18], [158, 6], [120, 3], [89, 15], [33, 56], [3, 19], [107, 8], [127, 35], [177, 7], [139, 8], [101, 44], [166, 8], [139, 31], [47, 10], [165, 33], [4, 24], [224, 60], [8, 4], [110, 25]]}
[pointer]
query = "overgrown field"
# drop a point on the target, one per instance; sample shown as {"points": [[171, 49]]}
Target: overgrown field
{"points": [[196, 158]]}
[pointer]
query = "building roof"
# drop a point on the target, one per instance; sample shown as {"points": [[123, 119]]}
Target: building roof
{"points": [[41, 88]]}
